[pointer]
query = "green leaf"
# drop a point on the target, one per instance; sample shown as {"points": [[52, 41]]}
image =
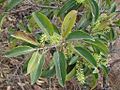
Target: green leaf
{"points": [[20, 50], [113, 8], [36, 73], [60, 67], [85, 20], [24, 67], [49, 72], [94, 81], [94, 8], [1, 1], [56, 29], [11, 4], [78, 35], [43, 22], [87, 55], [32, 62], [101, 46], [71, 74], [117, 22], [73, 60], [25, 37], [105, 69], [111, 35], [70, 4]]}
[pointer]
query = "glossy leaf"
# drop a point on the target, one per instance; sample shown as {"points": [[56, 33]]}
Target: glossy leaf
{"points": [[20, 50], [78, 35], [36, 73], [68, 23], [43, 22], [87, 55], [11, 4], [60, 67], [25, 37]]}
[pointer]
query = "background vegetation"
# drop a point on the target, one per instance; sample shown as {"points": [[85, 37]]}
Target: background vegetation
{"points": [[62, 40]]}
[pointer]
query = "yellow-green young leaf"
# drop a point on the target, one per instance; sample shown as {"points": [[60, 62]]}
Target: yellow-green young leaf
{"points": [[32, 62], [11, 4], [87, 55], [36, 73], [20, 50], [80, 1], [25, 37], [60, 67], [43, 22], [78, 35], [68, 23], [108, 2]]}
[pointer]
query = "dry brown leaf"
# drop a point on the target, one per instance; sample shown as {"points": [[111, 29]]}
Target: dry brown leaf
{"points": [[25, 37]]}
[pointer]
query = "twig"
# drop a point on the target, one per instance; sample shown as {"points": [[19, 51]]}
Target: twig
{"points": [[37, 7]]}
